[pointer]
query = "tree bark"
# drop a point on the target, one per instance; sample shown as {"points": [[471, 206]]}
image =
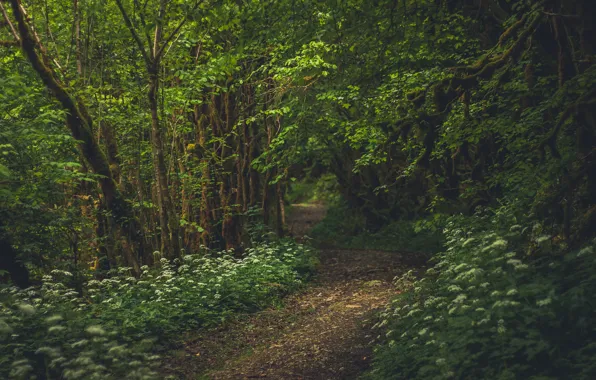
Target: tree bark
{"points": [[80, 125], [77, 27], [168, 220]]}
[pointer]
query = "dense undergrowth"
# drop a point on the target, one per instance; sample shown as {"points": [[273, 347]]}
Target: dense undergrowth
{"points": [[114, 328], [505, 297], [505, 300], [310, 190], [346, 228], [128, 129]]}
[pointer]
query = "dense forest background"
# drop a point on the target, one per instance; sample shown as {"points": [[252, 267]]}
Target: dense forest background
{"points": [[158, 143]]}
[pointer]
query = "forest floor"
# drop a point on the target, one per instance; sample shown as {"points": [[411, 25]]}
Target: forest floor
{"points": [[323, 332]]}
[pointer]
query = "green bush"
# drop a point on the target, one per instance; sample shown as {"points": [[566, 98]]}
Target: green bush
{"points": [[322, 189], [112, 329], [345, 228], [503, 301]]}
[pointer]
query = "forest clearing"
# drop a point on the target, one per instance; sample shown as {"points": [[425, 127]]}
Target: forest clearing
{"points": [[297, 189]]}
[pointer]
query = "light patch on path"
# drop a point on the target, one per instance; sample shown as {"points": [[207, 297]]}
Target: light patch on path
{"points": [[322, 333]]}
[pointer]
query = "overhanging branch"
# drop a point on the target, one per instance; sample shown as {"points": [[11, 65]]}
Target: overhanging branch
{"points": [[134, 33]]}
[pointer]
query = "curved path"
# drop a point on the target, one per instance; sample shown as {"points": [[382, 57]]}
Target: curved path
{"points": [[322, 333]]}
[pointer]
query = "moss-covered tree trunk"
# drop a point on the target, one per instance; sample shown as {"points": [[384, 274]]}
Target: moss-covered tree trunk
{"points": [[80, 125]]}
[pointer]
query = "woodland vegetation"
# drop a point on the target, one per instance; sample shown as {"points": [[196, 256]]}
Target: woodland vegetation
{"points": [[149, 150]]}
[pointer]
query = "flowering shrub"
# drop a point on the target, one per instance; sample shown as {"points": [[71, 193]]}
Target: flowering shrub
{"points": [[504, 301], [110, 331]]}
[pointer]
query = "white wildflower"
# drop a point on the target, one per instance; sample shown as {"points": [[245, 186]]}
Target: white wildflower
{"points": [[95, 330]]}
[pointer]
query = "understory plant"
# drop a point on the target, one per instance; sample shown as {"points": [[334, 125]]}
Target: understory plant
{"points": [[345, 227], [505, 300], [112, 329], [322, 189]]}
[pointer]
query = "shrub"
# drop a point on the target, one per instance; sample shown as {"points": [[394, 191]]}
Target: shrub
{"points": [[111, 330], [503, 301], [345, 228], [325, 189]]}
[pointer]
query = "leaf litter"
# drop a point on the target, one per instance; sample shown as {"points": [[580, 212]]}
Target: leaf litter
{"points": [[323, 332]]}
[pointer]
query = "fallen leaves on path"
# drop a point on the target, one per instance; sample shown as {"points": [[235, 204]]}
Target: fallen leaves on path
{"points": [[322, 333]]}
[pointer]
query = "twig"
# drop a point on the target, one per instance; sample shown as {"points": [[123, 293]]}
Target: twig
{"points": [[12, 28], [560, 15], [174, 32], [132, 30]]}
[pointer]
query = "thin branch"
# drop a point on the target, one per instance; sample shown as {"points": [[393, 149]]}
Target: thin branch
{"points": [[38, 40], [560, 15], [12, 28], [51, 36], [158, 29], [132, 30], [175, 31], [143, 22], [569, 111], [172, 44]]}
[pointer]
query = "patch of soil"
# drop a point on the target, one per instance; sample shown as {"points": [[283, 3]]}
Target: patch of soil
{"points": [[322, 333]]}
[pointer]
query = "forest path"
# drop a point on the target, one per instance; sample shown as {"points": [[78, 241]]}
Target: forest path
{"points": [[321, 333]]}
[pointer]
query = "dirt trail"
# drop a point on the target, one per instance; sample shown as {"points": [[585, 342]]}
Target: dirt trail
{"points": [[321, 333]]}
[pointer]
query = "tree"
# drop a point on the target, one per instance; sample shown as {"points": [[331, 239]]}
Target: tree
{"points": [[152, 56], [80, 125]]}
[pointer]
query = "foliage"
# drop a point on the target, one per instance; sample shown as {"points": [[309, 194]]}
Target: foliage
{"points": [[113, 328], [131, 130], [346, 228], [504, 300], [323, 189], [39, 160]]}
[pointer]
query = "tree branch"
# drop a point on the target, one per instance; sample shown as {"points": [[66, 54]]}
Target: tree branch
{"points": [[158, 29], [143, 22], [28, 43], [159, 53], [9, 43], [560, 15], [14, 32], [132, 30]]}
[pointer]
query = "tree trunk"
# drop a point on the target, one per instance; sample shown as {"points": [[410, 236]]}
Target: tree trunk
{"points": [[77, 28], [205, 221], [168, 220], [279, 210], [80, 124], [10, 263]]}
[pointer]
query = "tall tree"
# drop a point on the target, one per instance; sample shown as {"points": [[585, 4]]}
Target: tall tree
{"points": [[80, 125], [152, 53]]}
